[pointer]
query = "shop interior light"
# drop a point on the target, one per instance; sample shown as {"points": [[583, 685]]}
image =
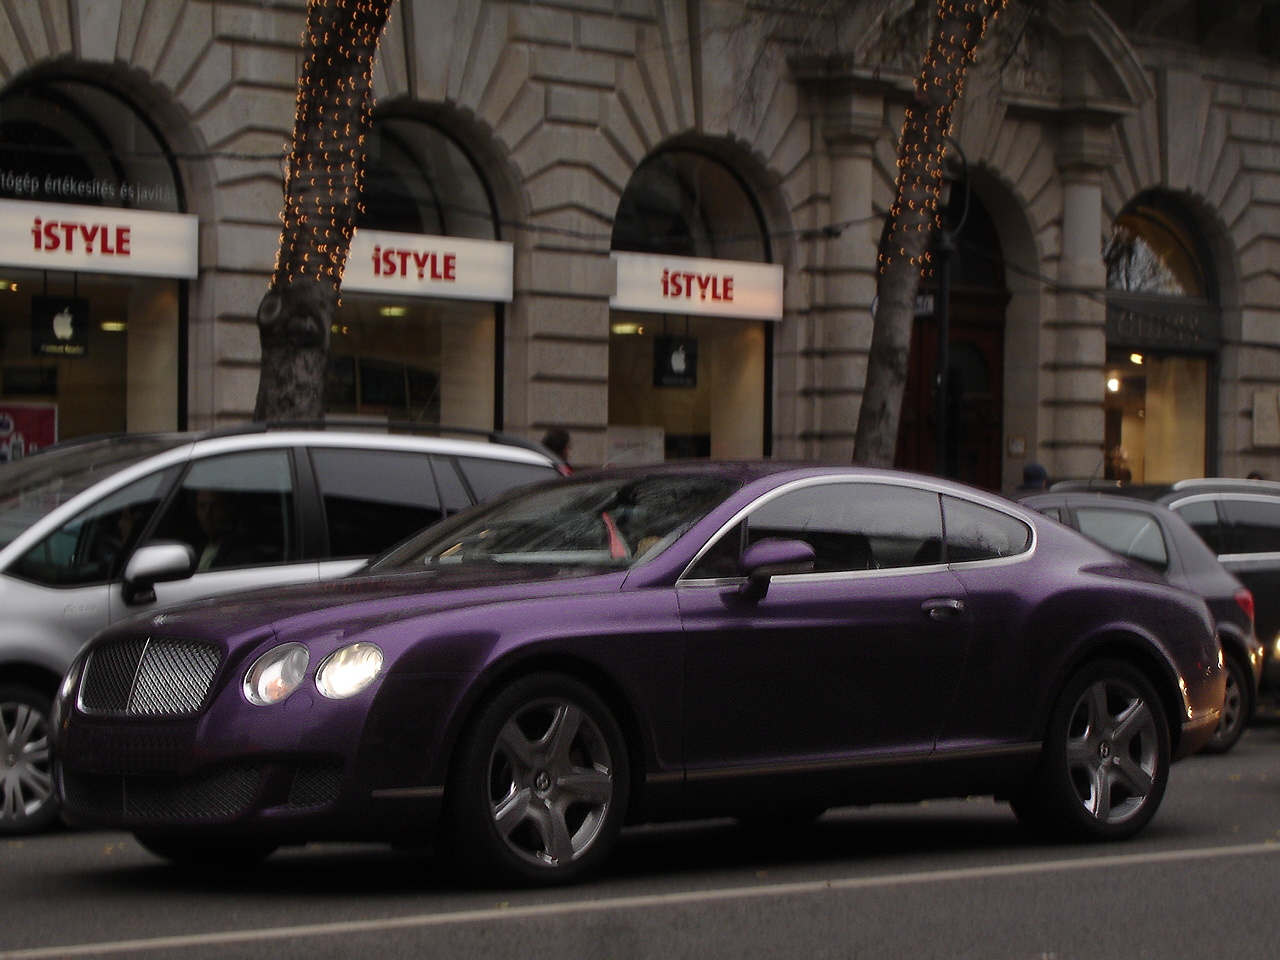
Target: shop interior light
{"points": [[392, 311], [113, 326], [1135, 358], [626, 329], [339, 329], [1113, 384], [4, 284]]}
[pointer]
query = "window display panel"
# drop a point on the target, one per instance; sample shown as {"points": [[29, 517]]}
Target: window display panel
{"points": [[699, 380], [1155, 417], [427, 361], [101, 350]]}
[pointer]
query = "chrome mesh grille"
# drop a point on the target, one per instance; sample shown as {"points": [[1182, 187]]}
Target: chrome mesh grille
{"points": [[149, 677]]}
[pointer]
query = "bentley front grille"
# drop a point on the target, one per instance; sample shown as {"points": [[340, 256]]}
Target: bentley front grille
{"points": [[148, 677]]}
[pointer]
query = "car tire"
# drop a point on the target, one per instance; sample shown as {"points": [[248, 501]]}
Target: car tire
{"points": [[1237, 708], [27, 801], [540, 786], [1105, 760], [197, 851]]}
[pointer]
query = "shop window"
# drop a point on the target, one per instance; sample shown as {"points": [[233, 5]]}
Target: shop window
{"points": [[101, 353], [420, 359], [1163, 337], [684, 385]]}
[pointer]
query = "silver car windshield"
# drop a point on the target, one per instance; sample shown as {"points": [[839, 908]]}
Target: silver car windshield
{"points": [[31, 488], [609, 522]]}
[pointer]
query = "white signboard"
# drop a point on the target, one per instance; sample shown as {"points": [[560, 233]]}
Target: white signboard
{"points": [[64, 236], [693, 285], [420, 265]]}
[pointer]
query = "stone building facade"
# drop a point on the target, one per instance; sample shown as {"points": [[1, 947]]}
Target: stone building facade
{"points": [[1115, 287]]}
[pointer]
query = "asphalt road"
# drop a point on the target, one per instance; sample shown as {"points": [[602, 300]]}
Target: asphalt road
{"points": [[955, 879]]}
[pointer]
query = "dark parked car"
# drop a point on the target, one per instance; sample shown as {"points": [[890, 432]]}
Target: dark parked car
{"points": [[1153, 534], [689, 640], [95, 531], [1240, 521]]}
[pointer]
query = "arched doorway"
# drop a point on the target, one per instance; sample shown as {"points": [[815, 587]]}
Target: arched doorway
{"points": [[974, 404], [1163, 337]]}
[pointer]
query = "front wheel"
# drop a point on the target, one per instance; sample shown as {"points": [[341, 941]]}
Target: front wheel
{"points": [[541, 785], [27, 801], [1105, 761]]}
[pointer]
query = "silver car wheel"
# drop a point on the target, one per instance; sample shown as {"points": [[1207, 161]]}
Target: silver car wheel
{"points": [[1113, 751], [26, 775], [550, 782]]}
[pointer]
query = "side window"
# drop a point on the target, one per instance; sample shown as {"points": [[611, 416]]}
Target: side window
{"points": [[235, 510], [976, 532], [1202, 516], [1135, 535], [1254, 525], [374, 498], [491, 477], [92, 547], [855, 526]]}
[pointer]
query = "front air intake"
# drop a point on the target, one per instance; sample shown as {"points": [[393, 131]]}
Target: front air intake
{"points": [[148, 677]]}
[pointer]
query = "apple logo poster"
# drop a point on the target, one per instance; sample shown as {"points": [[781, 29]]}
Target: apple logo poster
{"points": [[59, 326], [675, 361]]}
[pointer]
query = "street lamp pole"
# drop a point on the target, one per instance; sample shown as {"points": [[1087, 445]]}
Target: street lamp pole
{"points": [[944, 250]]}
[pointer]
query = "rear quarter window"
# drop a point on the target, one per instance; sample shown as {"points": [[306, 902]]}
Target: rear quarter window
{"points": [[977, 532]]}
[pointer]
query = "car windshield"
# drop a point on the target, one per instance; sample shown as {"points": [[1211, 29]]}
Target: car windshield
{"points": [[32, 487], [607, 522]]}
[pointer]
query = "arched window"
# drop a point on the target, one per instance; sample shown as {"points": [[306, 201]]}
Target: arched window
{"points": [[688, 204], [72, 141]]}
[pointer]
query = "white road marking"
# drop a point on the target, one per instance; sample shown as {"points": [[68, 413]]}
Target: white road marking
{"points": [[500, 913]]}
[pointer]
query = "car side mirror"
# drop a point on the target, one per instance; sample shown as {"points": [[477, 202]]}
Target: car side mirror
{"points": [[771, 557], [160, 561]]}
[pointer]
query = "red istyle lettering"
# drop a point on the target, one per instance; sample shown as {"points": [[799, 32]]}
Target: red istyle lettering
{"points": [[62, 234]]}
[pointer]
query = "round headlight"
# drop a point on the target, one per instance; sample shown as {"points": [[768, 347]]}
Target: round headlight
{"points": [[276, 674], [346, 672]]}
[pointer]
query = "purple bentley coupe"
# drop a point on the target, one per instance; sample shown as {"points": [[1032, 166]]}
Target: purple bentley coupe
{"points": [[703, 639]]}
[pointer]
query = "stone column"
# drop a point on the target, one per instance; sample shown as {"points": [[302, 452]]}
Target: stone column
{"points": [[852, 120], [1075, 347]]}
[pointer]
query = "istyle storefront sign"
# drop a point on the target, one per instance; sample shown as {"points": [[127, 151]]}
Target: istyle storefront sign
{"points": [[64, 236], [697, 286], [421, 265]]}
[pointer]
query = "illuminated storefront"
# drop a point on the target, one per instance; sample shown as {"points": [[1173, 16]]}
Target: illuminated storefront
{"points": [[94, 250], [418, 331], [690, 324], [1163, 337]]}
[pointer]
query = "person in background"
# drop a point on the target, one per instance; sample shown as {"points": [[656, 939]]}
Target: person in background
{"points": [[1034, 477], [1255, 475], [557, 441]]}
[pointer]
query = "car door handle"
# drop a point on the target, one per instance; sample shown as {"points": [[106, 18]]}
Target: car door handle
{"points": [[942, 609]]}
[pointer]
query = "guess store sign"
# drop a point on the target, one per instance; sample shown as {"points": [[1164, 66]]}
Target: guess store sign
{"points": [[63, 236], [697, 286], [420, 265]]}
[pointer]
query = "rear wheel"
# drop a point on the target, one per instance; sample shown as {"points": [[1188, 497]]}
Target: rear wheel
{"points": [[1236, 708], [27, 801], [541, 785], [1105, 762]]}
